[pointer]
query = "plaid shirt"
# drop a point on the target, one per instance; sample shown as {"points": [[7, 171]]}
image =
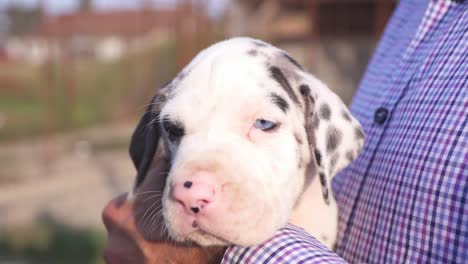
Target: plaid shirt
{"points": [[404, 200]]}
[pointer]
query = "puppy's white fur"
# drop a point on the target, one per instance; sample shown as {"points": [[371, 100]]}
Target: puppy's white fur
{"points": [[266, 177]]}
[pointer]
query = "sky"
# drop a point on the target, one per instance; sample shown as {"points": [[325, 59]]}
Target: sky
{"points": [[56, 7]]}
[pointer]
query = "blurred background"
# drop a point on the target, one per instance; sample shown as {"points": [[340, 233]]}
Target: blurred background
{"points": [[75, 76]]}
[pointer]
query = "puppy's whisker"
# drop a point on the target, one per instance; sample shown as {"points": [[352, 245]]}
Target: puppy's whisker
{"points": [[153, 121], [155, 102], [143, 221], [159, 195], [148, 192], [154, 223], [155, 212]]}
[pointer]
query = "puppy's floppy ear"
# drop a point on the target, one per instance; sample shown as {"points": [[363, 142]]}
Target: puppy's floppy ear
{"points": [[335, 136], [145, 141]]}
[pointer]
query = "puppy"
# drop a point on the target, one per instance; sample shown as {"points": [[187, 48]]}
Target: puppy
{"points": [[252, 142]]}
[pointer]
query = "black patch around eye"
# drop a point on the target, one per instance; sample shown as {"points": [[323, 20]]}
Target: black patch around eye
{"points": [[279, 77], [292, 60], [174, 129], [280, 102], [333, 138], [325, 112]]}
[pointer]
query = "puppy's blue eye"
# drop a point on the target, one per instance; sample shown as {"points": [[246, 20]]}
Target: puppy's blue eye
{"points": [[265, 125]]}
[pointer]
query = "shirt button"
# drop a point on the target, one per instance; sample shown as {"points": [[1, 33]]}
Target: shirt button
{"points": [[381, 115]]}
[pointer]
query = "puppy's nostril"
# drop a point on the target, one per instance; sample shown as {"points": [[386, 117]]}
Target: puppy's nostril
{"points": [[188, 184], [195, 209]]}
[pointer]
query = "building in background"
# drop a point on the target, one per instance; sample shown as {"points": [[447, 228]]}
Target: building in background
{"points": [[333, 38], [102, 35]]}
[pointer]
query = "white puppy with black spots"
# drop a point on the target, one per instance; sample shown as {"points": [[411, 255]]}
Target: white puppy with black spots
{"points": [[252, 142]]}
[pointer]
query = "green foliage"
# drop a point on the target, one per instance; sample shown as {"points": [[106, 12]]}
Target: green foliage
{"points": [[49, 241], [73, 94]]}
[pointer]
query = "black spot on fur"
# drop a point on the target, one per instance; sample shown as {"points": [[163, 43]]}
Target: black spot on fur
{"points": [[312, 100], [183, 74], [252, 52], [278, 75], [304, 89], [292, 60], [334, 161], [259, 43], [358, 132], [318, 157], [349, 156], [325, 195], [280, 102], [346, 115], [334, 137], [325, 111], [188, 184], [323, 178], [323, 182], [316, 121]]}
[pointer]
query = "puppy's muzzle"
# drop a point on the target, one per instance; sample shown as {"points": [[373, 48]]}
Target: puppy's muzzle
{"points": [[196, 194]]}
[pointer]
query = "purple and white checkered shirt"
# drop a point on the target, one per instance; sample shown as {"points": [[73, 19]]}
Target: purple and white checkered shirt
{"points": [[404, 200], [290, 244]]}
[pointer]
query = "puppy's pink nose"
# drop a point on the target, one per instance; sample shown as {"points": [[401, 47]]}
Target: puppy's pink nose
{"points": [[194, 196]]}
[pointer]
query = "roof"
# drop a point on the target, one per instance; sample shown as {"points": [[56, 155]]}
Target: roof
{"points": [[124, 23]]}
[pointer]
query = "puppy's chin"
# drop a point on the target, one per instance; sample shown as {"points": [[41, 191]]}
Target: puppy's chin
{"points": [[228, 230], [206, 239]]}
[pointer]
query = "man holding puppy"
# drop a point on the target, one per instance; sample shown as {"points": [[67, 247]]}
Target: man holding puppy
{"points": [[404, 198]]}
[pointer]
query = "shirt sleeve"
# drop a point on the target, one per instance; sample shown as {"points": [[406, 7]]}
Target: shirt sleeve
{"points": [[290, 244]]}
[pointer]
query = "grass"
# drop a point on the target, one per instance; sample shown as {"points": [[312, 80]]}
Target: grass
{"points": [[49, 241], [68, 95]]}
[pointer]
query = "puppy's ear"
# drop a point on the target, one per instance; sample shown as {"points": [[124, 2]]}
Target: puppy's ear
{"points": [[145, 141], [335, 136]]}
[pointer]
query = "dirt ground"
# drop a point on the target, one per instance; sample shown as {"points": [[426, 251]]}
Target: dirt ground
{"points": [[69, 177]]}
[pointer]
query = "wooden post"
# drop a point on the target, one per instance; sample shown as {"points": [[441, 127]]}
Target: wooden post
{"points": [[313, 9]]}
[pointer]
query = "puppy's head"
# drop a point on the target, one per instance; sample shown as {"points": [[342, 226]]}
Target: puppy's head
{"points": [[244, 129]]}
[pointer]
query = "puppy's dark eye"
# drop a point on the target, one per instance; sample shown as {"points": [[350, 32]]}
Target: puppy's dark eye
{"points": [[175, 131], [265, 125]]}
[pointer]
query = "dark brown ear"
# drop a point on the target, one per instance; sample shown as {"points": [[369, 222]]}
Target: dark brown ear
{"points": [[335, 136], [144, 142]]}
